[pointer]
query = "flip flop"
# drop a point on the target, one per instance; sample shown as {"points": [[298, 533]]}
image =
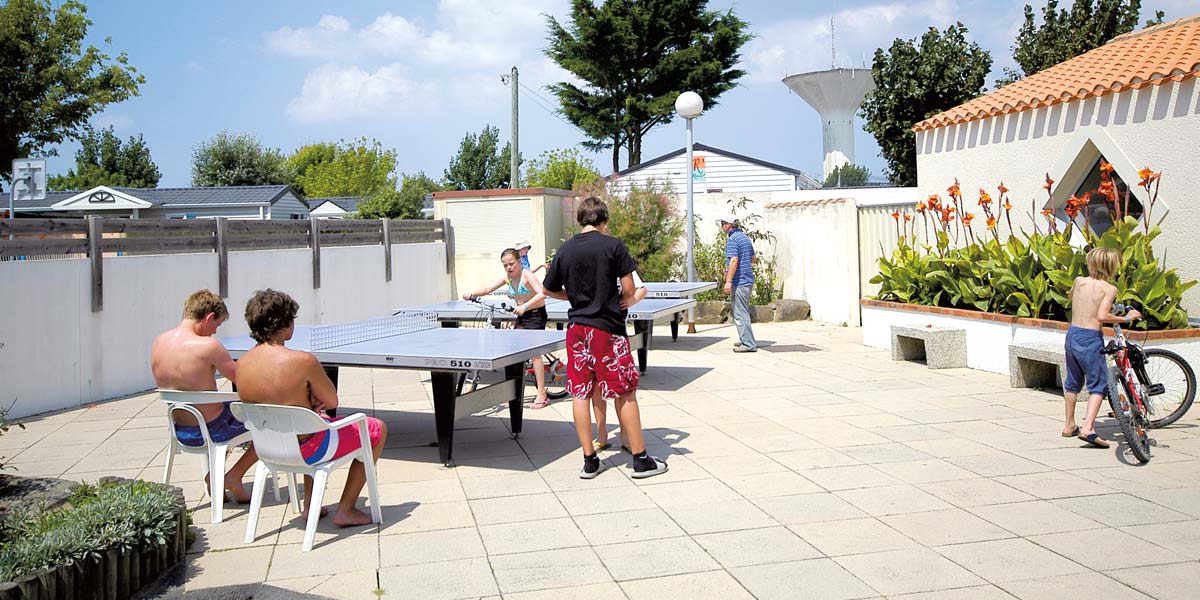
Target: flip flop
{"points": [[1094, 439], [601, 447], [540, 404], [1074, 432]]}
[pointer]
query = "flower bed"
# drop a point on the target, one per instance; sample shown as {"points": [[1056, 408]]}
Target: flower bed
{"points": [[110, 541]]}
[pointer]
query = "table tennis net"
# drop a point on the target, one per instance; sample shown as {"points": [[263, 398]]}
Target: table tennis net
{"points": [[333, 336]]}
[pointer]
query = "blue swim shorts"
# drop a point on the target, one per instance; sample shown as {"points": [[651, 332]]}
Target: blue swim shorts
{"points": [[223, 428], [1085, 361]]}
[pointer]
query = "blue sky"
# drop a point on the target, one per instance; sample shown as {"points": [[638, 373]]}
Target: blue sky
{"points": [[418, 75]]}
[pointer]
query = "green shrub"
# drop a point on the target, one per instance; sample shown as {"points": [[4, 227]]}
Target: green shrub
{"points": [[126, 516], [647, 221], [1026, 275], [4, 426], [709, 259]]}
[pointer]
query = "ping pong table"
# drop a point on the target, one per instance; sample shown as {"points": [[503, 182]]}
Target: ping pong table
{"points": [[677, 289], [643, 315], [414, 341]]}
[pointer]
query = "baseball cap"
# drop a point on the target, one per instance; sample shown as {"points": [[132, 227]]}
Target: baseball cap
{"points": [[522, 245], [727, 218]]}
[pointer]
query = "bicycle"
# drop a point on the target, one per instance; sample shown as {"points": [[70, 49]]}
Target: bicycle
{"points": [[555, 369], [1141, 385]]}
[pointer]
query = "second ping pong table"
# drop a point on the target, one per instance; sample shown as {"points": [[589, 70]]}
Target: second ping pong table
{"points": [[642, 315], [678, 289], [414, 341]]}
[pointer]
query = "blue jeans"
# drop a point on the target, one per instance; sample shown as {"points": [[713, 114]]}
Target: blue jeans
{"points": [[741, 316]]}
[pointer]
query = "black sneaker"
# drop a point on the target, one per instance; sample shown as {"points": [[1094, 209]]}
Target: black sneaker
{"points": [[647, 466], [591, 467]]}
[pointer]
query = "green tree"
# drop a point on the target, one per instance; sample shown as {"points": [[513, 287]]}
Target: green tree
{"points": [[404, 204], [848, 175], [647, 220], [237, 160], [1064, 35], [359, 168], [563, 169], [914, 81], [478, 166], [102, 159], [634, 58], [50, 85]]}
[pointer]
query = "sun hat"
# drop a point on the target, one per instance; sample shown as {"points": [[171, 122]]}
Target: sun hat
{"points": [[522, 245], [727, 218]]}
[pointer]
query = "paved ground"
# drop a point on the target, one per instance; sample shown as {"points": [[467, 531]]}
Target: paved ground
{"points": [[820, 470]]}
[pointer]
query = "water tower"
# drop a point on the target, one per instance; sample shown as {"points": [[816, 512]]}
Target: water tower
{"points": [[836, 95]]}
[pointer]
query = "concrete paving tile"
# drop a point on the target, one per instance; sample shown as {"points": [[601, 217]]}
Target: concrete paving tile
{"points": [[1034, 518], [1064, 586], [655, 558], [630, 526], [1165, 582], [733, 466], [229, 567], [711, 585], [950, 447], [1080, 546], [719, 516], [410, 516], [530, 571], [818, 579], [940, 527], [1182, 537], [1001, 561], [433, 490], [348, 586], [743, 548], [877, 421], [847, 478], [1056, 484], [926, 471], [884, 453], [892, 500], [470, 578], [518, 484], [681, 469], [601, 500], [231, 531], [344, 555], [430, 546], [911, 433], [771, 484], [47, 468], [580, 592], [907, 571], [981, 592], [1120, 510], [808, 508], [513, 509], [975, 492], [531, 536], [852, 536], [999, 464], [688, 492], [816, 458], [1077, 456]]}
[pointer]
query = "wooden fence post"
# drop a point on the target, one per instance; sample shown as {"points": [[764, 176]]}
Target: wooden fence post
{"points": [[96, 255], [387, 248], [223, 256], [315, 242]]}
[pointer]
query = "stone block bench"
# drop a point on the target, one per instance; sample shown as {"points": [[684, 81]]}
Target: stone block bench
{"points": [[940, 347], [1037, 364]]}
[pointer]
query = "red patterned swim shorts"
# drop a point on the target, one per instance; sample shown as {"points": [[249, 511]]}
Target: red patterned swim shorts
{"points": [[598, 358]]}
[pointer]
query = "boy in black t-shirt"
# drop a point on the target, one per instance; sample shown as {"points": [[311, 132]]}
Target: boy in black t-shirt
{"points": [[585, 271]]}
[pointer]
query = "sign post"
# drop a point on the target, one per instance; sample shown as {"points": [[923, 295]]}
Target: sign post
{"points": [[28, 182]]}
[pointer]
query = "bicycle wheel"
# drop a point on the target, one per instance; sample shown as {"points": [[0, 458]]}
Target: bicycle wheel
{"points": [[1128, 417], [1179, 386], [556, 378]]}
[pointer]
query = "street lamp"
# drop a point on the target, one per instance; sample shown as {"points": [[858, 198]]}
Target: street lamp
{"points": [[689, 106]]}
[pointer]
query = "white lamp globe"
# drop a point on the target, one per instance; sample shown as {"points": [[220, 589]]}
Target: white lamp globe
{"points": [[689, 105]]}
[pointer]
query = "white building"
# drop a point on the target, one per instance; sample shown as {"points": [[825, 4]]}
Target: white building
{"points": [[257, 202], [334, 208], [716, 171], [1134, 102]]}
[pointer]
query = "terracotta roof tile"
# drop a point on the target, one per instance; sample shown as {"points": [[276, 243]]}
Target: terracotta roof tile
{"points": [[805, 203], [1152, 56]]}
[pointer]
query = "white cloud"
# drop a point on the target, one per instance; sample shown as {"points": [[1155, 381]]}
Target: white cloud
{"points": [[802, 45], [390, 35], [333, 93], [326, 40]]}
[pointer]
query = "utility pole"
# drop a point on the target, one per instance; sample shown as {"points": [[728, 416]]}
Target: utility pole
{"points": [[514, 177]]}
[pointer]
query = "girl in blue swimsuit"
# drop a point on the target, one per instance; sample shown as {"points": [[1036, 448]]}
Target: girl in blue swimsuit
{"points": [[526, 290]]}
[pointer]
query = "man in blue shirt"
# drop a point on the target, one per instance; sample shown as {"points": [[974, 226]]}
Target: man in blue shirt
{"points": [[739, 280]]}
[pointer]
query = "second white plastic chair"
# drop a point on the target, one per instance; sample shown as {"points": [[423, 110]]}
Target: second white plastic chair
{"points": [[275, 430]]}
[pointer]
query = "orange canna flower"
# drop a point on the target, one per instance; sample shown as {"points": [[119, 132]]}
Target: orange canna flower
{"points": [[896, 215], [1007, 205], [907, 217], [953, 190], [1147, 177], [1003, 190], [967, 218], [1105, 167], [991, 222], [984, 198], [1049, 182], [1046, 213]]}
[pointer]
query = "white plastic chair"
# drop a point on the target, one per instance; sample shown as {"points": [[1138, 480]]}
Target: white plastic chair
{"points": [[212, 453], [275, 430]]}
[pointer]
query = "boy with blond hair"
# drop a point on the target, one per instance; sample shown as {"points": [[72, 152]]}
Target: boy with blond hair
{"points": [[1091, 308]]}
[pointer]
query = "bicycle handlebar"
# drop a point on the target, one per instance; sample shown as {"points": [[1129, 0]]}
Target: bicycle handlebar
{"points": [[502, 306]]}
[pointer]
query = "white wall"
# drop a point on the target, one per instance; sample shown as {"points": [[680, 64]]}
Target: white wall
{"points": [[55, 353], [817, 257], [1156, 126]]}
